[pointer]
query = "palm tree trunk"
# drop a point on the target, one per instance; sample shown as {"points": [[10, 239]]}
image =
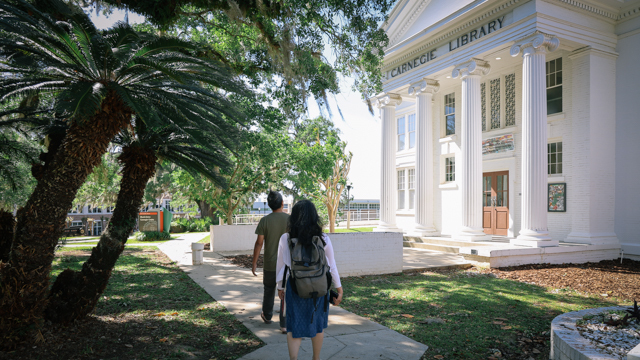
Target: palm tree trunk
{"points": [[24, 280], [75, 293], [7, 223]]}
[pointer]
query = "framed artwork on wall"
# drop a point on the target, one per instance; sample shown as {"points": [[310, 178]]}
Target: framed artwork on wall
{"points": [[557, 197]]}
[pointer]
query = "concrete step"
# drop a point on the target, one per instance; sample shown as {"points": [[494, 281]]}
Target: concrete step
{"points": [[445, 241], [434, 247], [446, 249]]}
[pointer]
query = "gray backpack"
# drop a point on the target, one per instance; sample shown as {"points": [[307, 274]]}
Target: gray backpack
{"points": [[310, 275]]}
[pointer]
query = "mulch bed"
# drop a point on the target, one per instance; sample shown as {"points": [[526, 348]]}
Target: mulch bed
{"points": [[608, 278], [245, 261]]}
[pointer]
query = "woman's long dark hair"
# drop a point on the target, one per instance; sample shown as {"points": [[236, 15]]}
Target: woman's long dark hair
{"points": [[304, 222]]}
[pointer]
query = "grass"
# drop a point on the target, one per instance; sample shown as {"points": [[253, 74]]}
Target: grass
{"points": [[131, 240], [205, 240], [88, 247], [361, 229], [464, 314], [152, 310]]}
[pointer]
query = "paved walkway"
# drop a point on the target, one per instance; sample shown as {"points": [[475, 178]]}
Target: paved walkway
{"points": [[348, 336]]}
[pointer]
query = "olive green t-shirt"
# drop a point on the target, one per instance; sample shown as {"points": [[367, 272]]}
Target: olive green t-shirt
{"points": [[272, 227]]}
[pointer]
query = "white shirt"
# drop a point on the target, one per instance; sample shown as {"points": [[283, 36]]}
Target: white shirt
{"points": [[284, 258]]}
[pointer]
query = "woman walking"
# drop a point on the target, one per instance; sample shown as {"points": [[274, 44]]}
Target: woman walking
{"points": [[305, 317]]}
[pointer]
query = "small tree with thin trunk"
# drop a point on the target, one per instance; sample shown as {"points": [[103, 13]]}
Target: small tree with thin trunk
{"points": [[321, 164]]}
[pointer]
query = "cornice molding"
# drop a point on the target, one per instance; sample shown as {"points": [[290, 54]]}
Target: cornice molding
{"points": [[590, 8], [415, 12], [424, 86], [629, 13], [609, 14], [387, 99], [472, 67], [448, 34], [539, 41]]}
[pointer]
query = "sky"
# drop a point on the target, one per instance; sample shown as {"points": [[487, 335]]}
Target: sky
{"points": [[359, 128]]}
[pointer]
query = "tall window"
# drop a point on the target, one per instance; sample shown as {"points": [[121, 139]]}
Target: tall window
{"points": [[554, 86], [554, 157], [450, 113], [401, 180], [401, 134], [450, 169], [412, 130], [412, 188]]}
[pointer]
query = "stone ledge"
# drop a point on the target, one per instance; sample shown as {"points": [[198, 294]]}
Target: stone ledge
{"points": [[634, 354], [566, 342]]}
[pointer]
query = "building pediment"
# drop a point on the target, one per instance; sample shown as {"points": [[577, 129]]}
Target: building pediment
{"points": [[412, 16]]}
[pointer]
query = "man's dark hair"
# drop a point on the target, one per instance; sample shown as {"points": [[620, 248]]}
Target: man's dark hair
{"points": [[274, 199]]}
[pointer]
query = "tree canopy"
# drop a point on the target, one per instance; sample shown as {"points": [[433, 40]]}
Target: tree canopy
{"points": [[292, 49]]}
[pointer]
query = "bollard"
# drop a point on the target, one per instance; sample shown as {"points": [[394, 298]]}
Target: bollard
{"points": [[197, 253]]}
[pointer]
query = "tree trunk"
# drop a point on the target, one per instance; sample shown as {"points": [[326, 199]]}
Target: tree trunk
{"points": [[229, 216], [24, 280], [75, 293], [206, 210], [332, 219], [7, 223]]}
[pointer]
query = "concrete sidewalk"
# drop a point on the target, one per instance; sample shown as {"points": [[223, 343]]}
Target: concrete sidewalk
{"points": [[348, 336]]}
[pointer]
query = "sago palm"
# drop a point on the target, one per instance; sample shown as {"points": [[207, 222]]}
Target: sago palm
{"points": [[75, 293], [99, 81]]}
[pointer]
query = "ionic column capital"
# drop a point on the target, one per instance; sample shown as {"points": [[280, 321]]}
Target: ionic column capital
{"points": [[387, 99], [424, 86], [538, 42], [472, 67]]}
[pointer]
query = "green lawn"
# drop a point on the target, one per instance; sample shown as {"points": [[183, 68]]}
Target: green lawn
{"points": [[463, 314], [205, 240], [159, 312], [131, 240], [360, 229]]}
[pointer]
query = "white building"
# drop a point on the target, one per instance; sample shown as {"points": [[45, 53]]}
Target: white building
{"points": [[493, 109]]}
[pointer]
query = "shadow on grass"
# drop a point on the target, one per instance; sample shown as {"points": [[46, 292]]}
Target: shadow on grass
{"points": [[463, 315], [150, 310]]}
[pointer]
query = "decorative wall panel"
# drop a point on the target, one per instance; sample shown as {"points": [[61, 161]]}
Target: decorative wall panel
{"points": [[495, 103], [510, 99]]}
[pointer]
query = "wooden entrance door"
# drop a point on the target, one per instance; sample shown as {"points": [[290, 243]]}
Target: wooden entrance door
{"points": [[495, 201]]}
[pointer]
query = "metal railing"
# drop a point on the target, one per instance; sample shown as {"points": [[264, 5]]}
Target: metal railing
{"points": [[247, 219], [357, 215]]}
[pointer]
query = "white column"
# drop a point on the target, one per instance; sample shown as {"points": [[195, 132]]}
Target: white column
{"points": [[423, 91], [470, 168], [388, 181], [592, 191], [533, 230]]}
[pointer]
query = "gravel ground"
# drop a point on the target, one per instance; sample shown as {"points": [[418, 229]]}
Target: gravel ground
{"points": [[611, 339]]}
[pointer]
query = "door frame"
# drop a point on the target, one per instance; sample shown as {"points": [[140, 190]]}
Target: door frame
{"points": [[506, 164]]}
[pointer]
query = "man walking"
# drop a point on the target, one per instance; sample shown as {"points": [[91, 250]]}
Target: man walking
{"points": [[269, 231]]}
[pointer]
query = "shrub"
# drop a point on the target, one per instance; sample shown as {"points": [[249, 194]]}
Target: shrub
{"points": [[192, 225], [152, 235]]}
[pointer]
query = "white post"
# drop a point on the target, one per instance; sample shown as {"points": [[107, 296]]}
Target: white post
{"points": [[388, 188], [423, 91], [211, 237], [534, 230], [471, 146]]}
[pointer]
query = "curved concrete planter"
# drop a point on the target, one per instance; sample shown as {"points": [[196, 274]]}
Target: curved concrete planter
{"points": [[566, 342]]}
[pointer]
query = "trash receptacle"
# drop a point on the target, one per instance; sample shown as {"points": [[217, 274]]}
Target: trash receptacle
{"points": [[197, 253]]}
